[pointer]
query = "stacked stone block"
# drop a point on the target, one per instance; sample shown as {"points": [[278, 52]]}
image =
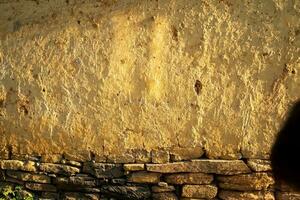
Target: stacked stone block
{"points": [[164, 176]]}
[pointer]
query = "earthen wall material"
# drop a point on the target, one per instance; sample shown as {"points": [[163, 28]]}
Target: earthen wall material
{"points": [[108, 77], [99, 99]]}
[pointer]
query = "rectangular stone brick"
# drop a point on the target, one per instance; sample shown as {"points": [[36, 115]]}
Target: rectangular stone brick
{"points": [[58, 169], [25, 157], [181, 154], [18, 165], [134, 167], [4, 154], [164, 196], [248, 195], [13, 180], [226, 167], [80, 156], [119, 181], [162, 188], [144, 177], [85, 181], [51, 158], [29, 166], [258, 165], [72, 163], [80, 196], [124, 158], [142, 156], [77, 188], [11, 164], [169, 167], [160, 156], [50, 195], [24, 176], [103, 170], [199, 191], [40, 187], [127, 192], [245, 182], [189, 178]]}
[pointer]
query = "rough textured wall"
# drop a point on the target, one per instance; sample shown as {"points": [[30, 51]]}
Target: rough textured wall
{"points": [[111, 76]]}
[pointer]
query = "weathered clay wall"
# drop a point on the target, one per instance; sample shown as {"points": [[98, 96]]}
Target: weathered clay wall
{"points": [[110, 77]]}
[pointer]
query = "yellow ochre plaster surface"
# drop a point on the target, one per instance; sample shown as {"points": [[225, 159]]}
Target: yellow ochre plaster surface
{"points": [[111, 76]]}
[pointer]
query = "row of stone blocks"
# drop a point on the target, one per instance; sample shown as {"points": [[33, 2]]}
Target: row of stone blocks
{"points": [[194, 179]]}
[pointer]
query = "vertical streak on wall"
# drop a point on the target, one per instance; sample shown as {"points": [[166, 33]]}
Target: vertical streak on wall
{"points": [[158, 54]]}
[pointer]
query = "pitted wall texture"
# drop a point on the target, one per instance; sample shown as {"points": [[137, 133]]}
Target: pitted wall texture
{"points": [[111, 76]]}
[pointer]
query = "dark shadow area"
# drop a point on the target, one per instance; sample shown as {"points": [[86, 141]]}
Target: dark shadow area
{"points": [[286, 150]]}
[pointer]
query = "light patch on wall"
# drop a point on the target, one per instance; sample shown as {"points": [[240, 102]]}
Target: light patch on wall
{"points": [[159, 47]]}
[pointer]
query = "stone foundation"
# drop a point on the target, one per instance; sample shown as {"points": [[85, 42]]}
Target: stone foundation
{"points": [[189, 179]]}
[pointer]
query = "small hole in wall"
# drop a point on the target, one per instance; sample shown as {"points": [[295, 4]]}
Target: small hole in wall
{"points": [[174, 33], [44, 90], [294, 71], [35, 76], [205, 153], [198, 87], [24, 109], [93, 155], [78, 22], [1, 103]]}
